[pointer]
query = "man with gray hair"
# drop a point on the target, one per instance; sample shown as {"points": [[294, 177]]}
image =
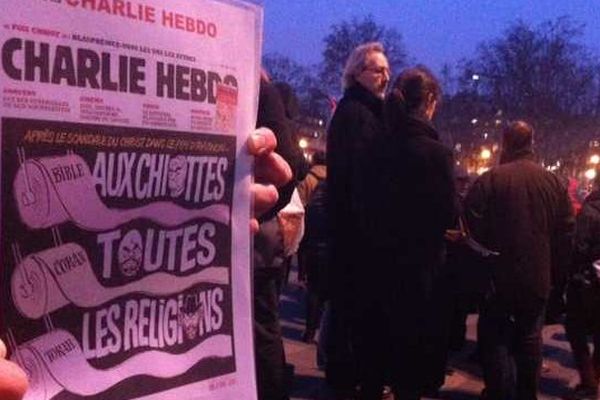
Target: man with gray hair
{"points": [[367, 66], [357, 121]]}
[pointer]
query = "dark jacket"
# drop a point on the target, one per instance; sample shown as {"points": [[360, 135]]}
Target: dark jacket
{"points": [[314, 189], [268, 242], [413, 205], [587, 234], [272, 115], [356, 123], [522, 211]]}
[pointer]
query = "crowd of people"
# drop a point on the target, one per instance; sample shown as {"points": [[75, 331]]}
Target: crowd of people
{"points": [[399, 247], [401, 244]]}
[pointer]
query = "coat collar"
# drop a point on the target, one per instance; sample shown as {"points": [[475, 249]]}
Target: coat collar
{"points": [[416, 126], [364, 96], [523, 154]]}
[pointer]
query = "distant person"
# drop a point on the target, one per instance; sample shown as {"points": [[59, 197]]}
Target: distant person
{"points": [[356, 123], [583, 297], [411, 206], [462, 292], [312, 256], [523, 212]]}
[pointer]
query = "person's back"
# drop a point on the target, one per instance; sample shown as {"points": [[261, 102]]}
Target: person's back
{"points": [[413, 183], [316, 214], [524, 213], [583, 298], [587, 238], [312, 256], [525, 207]]}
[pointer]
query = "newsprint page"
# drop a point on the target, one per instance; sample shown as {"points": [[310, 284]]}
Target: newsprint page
{"points": [[124, 220]]}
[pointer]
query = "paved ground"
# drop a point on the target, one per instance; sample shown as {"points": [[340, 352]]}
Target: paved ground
{"points": [[464, 384]]}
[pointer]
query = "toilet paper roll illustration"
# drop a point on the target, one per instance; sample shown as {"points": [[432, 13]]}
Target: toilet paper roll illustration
{"points": [[46, 281], [42, 384], [55, 362], [52, 190]]}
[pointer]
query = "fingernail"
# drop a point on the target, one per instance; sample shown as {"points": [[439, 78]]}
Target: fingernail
{"points": [[259, 141]]}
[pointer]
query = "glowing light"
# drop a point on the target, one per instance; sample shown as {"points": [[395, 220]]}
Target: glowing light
{"points": [[482, 170], [303, 143], [474, 121], [475, 77], [486, 154], [595, 159], [590, 173]]}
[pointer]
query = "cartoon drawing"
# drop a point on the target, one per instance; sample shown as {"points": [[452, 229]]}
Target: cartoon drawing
{"points": [[50, 370], [130, 254], [43, 282], [177, 173], [52, 190], [189, 316]]}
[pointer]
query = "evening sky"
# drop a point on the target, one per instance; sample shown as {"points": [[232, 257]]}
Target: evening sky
{"points": [[434, 31]]}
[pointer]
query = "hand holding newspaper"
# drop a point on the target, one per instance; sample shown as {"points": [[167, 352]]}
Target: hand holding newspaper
{"points": [[127, 179]]}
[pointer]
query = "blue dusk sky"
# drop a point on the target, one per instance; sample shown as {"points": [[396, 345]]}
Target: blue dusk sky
{"points": [[434, 31]]}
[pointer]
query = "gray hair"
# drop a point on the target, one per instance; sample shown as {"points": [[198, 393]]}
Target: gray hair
{"points": [[356, 62]]}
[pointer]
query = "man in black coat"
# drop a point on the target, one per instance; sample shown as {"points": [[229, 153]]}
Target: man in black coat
{"points": [[356, 123], [523, 212]]}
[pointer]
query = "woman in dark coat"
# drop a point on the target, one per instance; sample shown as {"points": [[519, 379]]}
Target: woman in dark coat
{"points": [[412, 205]]}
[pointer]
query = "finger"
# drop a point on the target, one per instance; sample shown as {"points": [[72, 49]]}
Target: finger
{"points": [[13, 381], [2, 349], [272, 168], [264, 196], [254, 226], [261, 141]]}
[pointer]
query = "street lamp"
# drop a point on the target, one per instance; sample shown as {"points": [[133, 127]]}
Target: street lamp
{"points": [[482, 170], [485, 154], [595, 159], [590, 173]]}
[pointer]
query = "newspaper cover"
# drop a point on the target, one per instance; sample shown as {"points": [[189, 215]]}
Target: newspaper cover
{"points": [[125, 196]]}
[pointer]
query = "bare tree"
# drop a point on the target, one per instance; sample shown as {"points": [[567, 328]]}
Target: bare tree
{"points": [[345, 36], [312, 99], [543, 74], [538, 72]]}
